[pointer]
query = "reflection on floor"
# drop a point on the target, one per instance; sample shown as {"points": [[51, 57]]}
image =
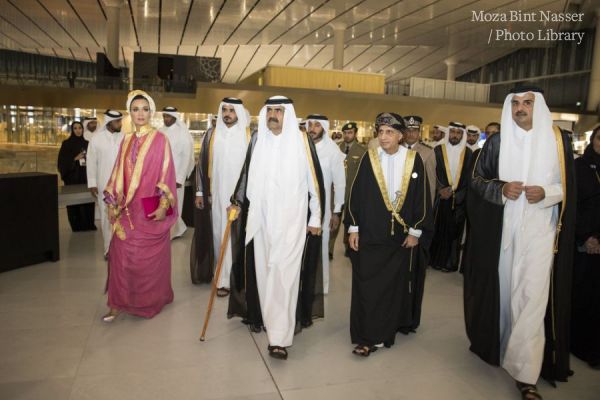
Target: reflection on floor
{"points": [[53, 345]]}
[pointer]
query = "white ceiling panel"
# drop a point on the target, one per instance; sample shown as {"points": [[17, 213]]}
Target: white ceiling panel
{"points": [[399, 38]]}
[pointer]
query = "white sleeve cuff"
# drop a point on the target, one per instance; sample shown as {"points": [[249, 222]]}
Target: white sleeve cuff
{"points": [[198, 194], [353, 229], [553, 194], [91, 184], [314, 221], [415, 232], [337, 208]]}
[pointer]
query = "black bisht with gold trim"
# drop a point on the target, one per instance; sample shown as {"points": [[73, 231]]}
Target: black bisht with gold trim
{"points": [[388, 279], [482, 253]]}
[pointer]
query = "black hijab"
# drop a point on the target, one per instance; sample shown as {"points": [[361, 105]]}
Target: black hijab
{"points": [[70, 170]]}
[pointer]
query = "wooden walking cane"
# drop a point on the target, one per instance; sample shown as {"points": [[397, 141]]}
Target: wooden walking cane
{"points": [[230, 218]]}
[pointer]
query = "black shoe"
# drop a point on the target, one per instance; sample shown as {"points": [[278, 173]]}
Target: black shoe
{"points": [[278, 352], [306, 324]]}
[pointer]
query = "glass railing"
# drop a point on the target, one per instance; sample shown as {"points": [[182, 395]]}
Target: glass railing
{"points": [[18, 161], [150, 85]]}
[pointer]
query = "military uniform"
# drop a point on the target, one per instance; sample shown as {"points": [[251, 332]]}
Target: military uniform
{"points": [[425, 151], [353, 157]]}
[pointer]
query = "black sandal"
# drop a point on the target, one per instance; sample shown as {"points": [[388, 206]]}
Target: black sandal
{"points": [[278, 352], [364, 350], [222, 292], [528, 392]]}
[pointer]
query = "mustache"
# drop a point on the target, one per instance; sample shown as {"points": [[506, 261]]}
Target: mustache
{"points": [[273, 119], [521, 113]]}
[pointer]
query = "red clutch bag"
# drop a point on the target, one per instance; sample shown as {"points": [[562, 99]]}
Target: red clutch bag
{"points": [[150, 205]]}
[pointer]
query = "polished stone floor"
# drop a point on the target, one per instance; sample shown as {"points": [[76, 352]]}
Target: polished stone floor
{"points": [[54, 346]]}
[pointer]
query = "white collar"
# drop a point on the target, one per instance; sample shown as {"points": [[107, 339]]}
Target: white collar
{"points": [[383, 152]]}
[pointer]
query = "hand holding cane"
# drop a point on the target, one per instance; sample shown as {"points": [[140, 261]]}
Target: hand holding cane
{"points": [[230, 218]]}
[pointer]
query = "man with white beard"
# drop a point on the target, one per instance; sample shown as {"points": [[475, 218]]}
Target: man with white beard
{"points": [[281, 200], [101, 156], [331, 160], [221, 159], [182, 149]]}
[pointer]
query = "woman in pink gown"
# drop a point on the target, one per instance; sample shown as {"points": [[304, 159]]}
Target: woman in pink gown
{"points": [[142, 207]]}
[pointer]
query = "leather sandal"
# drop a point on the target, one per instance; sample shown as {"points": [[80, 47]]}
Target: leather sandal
{"points": [[278, 352], [528, 392]]}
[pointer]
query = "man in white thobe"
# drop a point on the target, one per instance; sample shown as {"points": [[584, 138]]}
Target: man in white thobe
{"points": [[531, 196], [90, 128], [226, 144], [331, 160], [101, 156], [182, 149], [517, 315], [280, 188]]}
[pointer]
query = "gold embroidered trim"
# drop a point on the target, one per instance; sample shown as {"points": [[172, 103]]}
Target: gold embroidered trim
{"points": [[408, 167], [210, 155], [447, 167], [352, 187], [119, 181], [137, 170], [563, 178], [312, 169], [166, 161], [164, 203], [118, 230], [425, 189], [171, 199]]}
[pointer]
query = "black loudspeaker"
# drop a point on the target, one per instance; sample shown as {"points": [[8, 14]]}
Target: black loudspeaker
{"points": [[29, 206], [165, 68], [107, 76]]}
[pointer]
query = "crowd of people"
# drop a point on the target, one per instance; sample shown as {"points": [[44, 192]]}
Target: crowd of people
{"points": [[518, 217]]}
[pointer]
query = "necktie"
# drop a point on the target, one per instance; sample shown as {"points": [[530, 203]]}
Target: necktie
{"points": [[347, 148]]}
